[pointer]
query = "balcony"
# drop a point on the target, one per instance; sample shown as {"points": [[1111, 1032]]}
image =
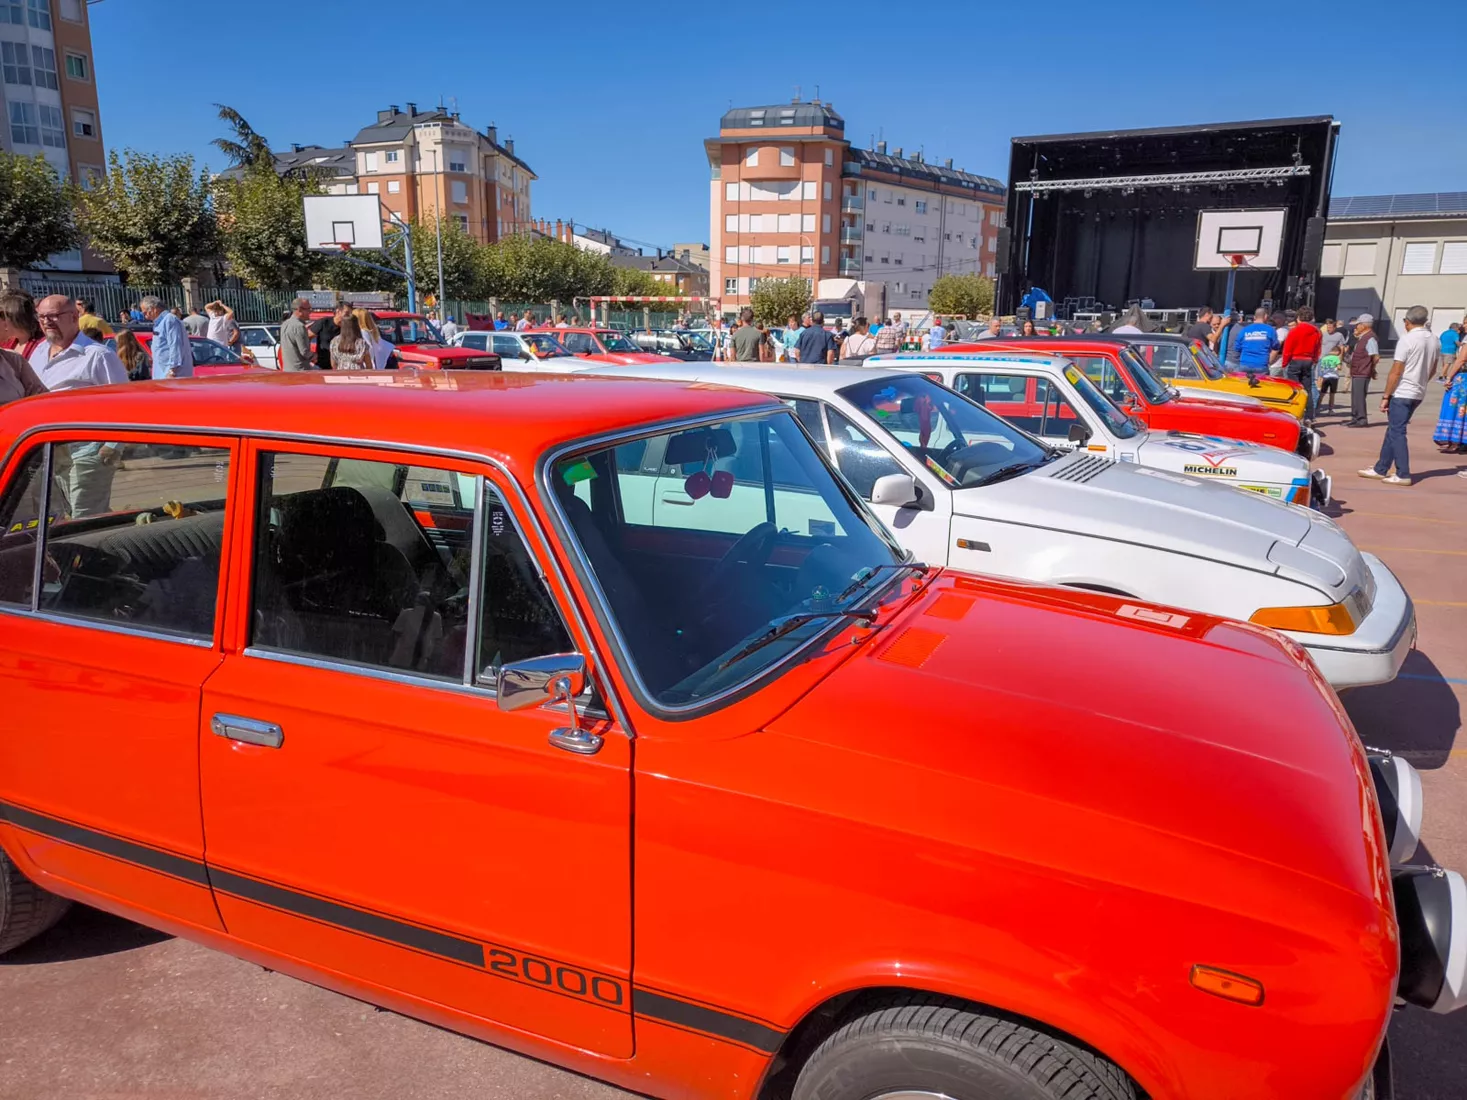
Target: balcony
{"points": [[850, 234], [852, 202], [851, 268]]}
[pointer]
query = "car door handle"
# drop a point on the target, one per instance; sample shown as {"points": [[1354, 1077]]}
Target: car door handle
{"points": [[685, 502], [248, 731]]}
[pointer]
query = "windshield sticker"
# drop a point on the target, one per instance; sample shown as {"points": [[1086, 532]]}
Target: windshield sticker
{"points": [[933, 465], [1073, 375], [578, 472], [1147, 615]]}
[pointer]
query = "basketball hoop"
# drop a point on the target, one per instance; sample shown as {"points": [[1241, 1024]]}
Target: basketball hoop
{"points": [[327, 246]]}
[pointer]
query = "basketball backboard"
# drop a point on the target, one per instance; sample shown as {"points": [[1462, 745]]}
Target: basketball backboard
{"points": [[1255, 235], [336, 220]]}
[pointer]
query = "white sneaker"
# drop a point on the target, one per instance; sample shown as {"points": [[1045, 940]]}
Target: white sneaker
{"points": [[1395, 480], [1370, 473], [1462, 473]]}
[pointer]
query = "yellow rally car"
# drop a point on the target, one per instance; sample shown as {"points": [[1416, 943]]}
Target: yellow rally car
{"points": [[1192, 364]]}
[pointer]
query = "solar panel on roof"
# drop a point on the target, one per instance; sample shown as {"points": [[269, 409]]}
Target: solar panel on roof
{"points": [[1439, 203]]}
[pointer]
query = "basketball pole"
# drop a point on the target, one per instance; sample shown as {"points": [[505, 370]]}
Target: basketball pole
{"points": [[1232, 284]]}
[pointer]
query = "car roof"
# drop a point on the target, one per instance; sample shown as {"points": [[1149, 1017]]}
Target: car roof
{"points": [[961, 358], [793, 379], [446, 410]]}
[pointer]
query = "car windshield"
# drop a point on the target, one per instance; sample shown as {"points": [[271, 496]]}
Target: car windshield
{"points": [[697, 341], [1152, 388], [1116, 422], [544, 345], [721, 549], [615, 341], [408, 330], [958, 440], [1207, 363]]}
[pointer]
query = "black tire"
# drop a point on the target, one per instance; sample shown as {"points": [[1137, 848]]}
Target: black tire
{"points": [[26, 910], [916, 1043]]}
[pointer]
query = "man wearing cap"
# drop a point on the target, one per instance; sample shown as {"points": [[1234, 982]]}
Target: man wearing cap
{"points": [[1405, 389], [1363, 358]]}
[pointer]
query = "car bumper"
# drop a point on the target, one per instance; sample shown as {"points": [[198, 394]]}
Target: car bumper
{"points": [[1378, 648], [1309, 443], [1320, 487]]}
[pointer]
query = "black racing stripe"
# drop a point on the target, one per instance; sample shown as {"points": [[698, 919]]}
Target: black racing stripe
{"points": [[711, 1021], [182, 867], [344, 916]]}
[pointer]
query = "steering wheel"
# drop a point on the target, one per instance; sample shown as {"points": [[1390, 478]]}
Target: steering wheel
{"points": [[953, 446], [753, 548]]}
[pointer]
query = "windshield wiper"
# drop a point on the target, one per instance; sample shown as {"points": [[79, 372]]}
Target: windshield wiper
{"points": [[1011, 470], [784, 624], [920, 567]]}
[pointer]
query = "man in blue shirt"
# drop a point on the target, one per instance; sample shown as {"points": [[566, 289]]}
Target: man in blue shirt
{"points": [[815, 344], [1258, 344], [173, 357]]}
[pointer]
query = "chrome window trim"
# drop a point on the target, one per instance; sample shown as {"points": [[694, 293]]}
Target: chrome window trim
{"points": [[43, 521], [592, 584], [476, 584], [612, 701], [107, 627]]}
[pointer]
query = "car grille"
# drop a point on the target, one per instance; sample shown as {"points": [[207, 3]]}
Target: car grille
{"points": [[1083, 469], [481, 364]]}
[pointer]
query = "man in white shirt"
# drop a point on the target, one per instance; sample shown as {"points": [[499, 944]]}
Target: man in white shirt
{"points": [[71, 360], [1405, 389]]}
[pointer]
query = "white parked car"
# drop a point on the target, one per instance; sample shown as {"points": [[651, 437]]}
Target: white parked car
{"points": [[1049, 397], [960, 487], [263, 342], [525, 351]]}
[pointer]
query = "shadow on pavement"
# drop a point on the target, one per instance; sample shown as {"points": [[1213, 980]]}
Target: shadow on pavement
{"points": [[83, 933], [1429, 1054], [1416, 714]]}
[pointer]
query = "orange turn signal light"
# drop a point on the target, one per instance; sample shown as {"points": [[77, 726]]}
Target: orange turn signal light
{"points": [[1334, 618], [1227, 985]]}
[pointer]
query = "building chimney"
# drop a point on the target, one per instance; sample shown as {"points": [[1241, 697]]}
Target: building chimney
{"points": [[295, 147], [948, 163], [492, 133], [509, 146], [412, 110], [917, 156], [881, 147], [898, 153], [390, 113], [559, 230]]}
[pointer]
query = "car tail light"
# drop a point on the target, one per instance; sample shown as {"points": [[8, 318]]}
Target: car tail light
{"points": [[1227, 985], [1333, 618], [1300, 495]]}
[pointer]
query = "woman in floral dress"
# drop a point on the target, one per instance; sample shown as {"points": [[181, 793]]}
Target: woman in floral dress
{"points": [[1451, 423]]}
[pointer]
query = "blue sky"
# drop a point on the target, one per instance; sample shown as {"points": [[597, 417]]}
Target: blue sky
{"points": [[611, 108]]}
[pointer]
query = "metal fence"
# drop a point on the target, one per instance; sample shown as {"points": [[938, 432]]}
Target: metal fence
{"points": [[252, 307], [109, 299]]}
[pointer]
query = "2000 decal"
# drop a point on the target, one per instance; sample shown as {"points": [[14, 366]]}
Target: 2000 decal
{"points": [[557, 977]]}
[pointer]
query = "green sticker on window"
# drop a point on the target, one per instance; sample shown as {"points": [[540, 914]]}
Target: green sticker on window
{"points": [[578, 472]]}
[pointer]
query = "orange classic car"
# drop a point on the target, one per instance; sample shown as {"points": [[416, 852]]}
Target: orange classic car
{"points": [[368, 678]]}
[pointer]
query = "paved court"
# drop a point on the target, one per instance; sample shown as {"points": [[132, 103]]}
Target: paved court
{"points": [[100, 1008]]}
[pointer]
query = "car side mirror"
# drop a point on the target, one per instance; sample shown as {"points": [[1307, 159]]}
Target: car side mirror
{"points": [[558, 678], [897, 490], [1079, 434], [526, 356]]}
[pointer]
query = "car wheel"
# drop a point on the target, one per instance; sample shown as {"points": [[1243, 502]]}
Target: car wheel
{"points": [[26, 910], [916, 1047]]}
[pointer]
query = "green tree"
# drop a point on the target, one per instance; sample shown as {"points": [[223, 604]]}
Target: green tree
{"points": [[262, 228], [150, 215], [777, 300], [462, 271], [35, 211], [539, 269], [246, 149], [968, 295]]}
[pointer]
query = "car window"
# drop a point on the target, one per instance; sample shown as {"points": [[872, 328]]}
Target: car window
{"points": [[542, 344], [689, 594], [507, 346], [1030, 402], [859, 457], [1103, 373], [580, 343], [371, 563], [210, 352], [479, 341], [134, 536], [1154, 389], [616, 341], [256, 337], [807, 412], [20, 526]]}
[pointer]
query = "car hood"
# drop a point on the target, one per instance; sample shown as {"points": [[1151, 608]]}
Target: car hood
{"points": [[1040, 726], [439, 351], [1213, 458], [1203, 393], [1093, 496]]}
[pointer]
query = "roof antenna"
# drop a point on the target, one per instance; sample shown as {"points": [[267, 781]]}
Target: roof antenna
{"points": [[817, 93], [797, 93]]}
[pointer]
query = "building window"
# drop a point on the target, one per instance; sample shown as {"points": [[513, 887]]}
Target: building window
{"points": [[920, 206], [1454, 258], [370, 161], [901, 200], [807, 190], [920, 238], [786, 156], [53, 127], [393, 156], [731, 254], [830, 158], [39, 13], [83, 123], [807, 223], [1360, 259], [886, 259], [886, 196], [787, 116], [993, 218], [916, 295], [756, 118], [373, 187], [460, 191], [16, 62], [868, 259], [886, 227], [870, 227], [458, 166], [807, 254], [1419, 258], [731, 192], [825, 253], [24, 129], [827, 190], [394, 186], [787, 223], [730, 223], [751, 156], [871, 194], [76, 66], [463, 221], [91, 175], [784, 253], [825, 221], [43, 62], [71, 10]]}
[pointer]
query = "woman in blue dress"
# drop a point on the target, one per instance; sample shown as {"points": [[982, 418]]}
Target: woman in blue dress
{"points": [[1451, 423]]}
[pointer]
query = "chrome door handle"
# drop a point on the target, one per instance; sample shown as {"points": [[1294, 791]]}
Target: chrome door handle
{"points": [[248, 731], [679, 501]]}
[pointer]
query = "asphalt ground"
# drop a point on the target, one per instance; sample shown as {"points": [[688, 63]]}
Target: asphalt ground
{"points": [[102, 1009]]}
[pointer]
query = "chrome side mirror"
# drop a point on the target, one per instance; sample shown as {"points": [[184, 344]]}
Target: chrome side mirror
{"points": [[898, 490], [558, 678]]}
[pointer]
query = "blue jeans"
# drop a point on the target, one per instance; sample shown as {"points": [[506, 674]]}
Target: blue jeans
{"points": [[1302, 371], [1393, 448]]}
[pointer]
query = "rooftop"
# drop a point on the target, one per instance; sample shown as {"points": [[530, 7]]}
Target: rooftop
{"points": [[813, 115], [393, 125], [658, 263], [1437, 204], [918, 168]]}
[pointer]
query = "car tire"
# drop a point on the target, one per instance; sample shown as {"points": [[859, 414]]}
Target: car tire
{"points": [[909, 1044], [26, 910]]}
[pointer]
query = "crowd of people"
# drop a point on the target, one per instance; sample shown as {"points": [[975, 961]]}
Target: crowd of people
{"points": [[806, 339]]}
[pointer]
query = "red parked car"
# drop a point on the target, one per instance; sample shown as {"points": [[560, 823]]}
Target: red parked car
{"points": [[605, 345], [1125, 378], [419, 344]]}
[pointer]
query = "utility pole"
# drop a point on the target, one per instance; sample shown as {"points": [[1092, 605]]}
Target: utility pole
{"points": [[407, 251]]}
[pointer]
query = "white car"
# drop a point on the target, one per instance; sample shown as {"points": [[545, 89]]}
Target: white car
{"points": [[263, 342], [1049, 397], [960, 487], [523, 351]]}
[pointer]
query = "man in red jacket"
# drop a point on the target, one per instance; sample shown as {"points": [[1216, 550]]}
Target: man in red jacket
{"points": [[1299, 355]]}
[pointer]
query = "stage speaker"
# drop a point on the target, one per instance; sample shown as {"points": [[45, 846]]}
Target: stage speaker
{"points": [[1313, 246], [1001, 260]]}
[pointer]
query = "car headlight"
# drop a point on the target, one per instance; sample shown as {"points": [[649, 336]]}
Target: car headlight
{"points": [[1332, 618], [1431, 912], [1398, 790]]}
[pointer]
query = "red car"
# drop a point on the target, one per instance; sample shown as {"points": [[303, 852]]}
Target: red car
{"points": [[604, 345], [1124, 377], [210, 356], [731, 803], [419, 344]]}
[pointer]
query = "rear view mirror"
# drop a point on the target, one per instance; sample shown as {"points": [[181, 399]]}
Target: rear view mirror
{"points": [[558, 678], [1079, 434], [897, 490]]}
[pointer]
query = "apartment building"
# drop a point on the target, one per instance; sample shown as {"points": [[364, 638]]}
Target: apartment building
{"points": [[50, 96], [423, 162], [1384, 254], [789, 195]]}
